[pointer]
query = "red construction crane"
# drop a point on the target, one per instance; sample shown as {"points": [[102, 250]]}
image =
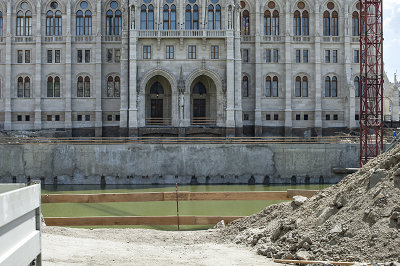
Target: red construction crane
{"points": [[371, 73]]}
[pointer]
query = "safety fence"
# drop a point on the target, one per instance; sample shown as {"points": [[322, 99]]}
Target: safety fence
{"points": [[180, 140], [160, 196]]}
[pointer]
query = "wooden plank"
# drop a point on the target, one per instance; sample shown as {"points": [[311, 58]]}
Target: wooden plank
{"points": [[106, 197], [137, 220], [300, 192], [314, 261], [246, 195]]}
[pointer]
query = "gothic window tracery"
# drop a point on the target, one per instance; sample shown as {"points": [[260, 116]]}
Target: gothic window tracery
{"points": [[113, 19]]}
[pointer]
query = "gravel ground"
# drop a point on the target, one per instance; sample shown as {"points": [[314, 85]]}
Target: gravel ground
{"points": [[72, 246]]}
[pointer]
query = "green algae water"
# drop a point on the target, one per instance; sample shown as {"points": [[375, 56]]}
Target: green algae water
{"points": [[160, 208]]}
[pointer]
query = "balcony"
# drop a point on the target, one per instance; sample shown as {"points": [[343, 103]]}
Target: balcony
{"points": [[247, 38], [85, 38], [181, 33], [268, 38], [301, 39], [23, 39], [355, 39], [331, 39], [204, 121], [158, 121], [111, 38], [53, 39]]}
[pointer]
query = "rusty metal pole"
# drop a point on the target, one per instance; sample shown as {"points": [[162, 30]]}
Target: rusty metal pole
{"points": [[177, 205]]}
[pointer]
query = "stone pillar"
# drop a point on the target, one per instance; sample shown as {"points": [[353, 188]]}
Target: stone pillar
{"points": [[37, 88], [317, 78], [230, 83], [69, 80], [8, 80], [128, 14], [288, 75], [258, 73], [98, 88], [238, 76], [133, 111]]}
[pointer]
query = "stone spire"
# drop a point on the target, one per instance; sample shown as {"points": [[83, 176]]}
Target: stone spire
{"points": [[181, 82]]}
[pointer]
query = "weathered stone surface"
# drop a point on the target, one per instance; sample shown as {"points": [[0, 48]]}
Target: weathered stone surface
{"points": [[376, 177], [299, 200]]}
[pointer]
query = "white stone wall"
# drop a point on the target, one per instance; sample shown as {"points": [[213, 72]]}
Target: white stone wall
{"points": [[223, 75]]}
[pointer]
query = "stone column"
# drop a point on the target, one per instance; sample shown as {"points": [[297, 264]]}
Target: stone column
{"points": [[258, 73], [69, 80], [238, 76], [98, 88], [37, 88], [133, 111], [230, 83], [8, 79], [317, 78], [288, 74], [128, 15]]}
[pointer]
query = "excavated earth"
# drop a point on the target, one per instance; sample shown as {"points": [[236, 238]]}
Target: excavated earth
{"points": [[356, 220]]}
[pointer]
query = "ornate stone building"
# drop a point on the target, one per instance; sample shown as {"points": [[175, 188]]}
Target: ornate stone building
{"points": [[181, 67]]}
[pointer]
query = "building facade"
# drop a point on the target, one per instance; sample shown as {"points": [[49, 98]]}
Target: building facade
{"points": [[181, 67]]}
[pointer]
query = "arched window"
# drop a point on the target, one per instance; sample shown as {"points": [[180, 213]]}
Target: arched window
{"points": [[192, 16], [357, 86], [83, 20], [301, 86], [199, 88], [24, 87], [188, 17], [334, 86], [245, 23], [327, 87], [195, 17], [267, 22], [335, 23], [53, 23], [304, 87], [83, 87], [88, 22], [356, 24], [169, 17], [275, 22], [53, 87], [1, 23], [327, 25], [214, 17], [297, 23], [298, 87], [113, 20], [113, 86], [275, 86], [245, 86], [268, 85], [147, 17], [305, 23], [24, 20]]}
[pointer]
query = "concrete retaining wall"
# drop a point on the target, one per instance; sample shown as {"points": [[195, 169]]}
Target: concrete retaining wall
{"points": [[169, 164]]}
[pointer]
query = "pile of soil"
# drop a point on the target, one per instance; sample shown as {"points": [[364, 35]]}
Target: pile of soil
{"points": [[357, 219]]}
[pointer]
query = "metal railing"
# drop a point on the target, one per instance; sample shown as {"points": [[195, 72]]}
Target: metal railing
{"points": [[158, 121]]}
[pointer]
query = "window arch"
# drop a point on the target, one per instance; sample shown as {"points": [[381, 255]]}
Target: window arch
{"points": [[169, 17], [192, 16], [113, 86], [147, 17], [356, 24], [297, 23], [245, 86], [199, 88], [83, 20], [53, 86], [267, 23], [275, 22], [331, 20], [214, 17], [23, 87], [24, 20], [271, 23], [113, 20], [245, 22], [301, 86], [305, 23], [331, 86], [357, 86], [53, 21], [1, 23], [271, 86], [83, 87]]}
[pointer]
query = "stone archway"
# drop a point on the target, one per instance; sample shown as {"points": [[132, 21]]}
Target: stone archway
{"points": [[158, 101], [203, 101]]}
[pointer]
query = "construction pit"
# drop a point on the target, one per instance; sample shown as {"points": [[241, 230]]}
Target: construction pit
{"points": [[355, 221]]}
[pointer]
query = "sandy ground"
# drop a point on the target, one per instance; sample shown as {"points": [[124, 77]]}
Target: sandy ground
{"points": [[71, 246]]}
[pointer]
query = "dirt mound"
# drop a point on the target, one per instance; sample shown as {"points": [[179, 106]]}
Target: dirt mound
{"points": [[357, 219]]}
